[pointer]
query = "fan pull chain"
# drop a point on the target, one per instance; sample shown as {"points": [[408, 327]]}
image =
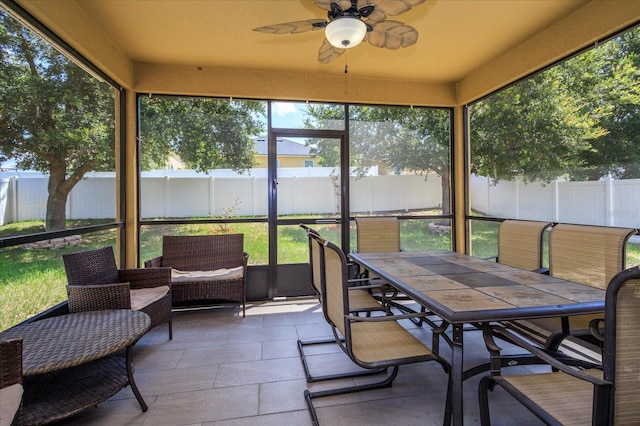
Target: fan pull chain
{"points": [[346, 60]]}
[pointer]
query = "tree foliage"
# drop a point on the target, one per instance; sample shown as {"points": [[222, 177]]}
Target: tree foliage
{"points": [[57, 119], [578, 119], [205, 133], [396, 139], [54, 117]]}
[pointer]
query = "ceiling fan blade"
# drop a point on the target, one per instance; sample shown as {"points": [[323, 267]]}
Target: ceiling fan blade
{"points": [[326, 4], [294, 27], [328, 52], [384, 8], [392, 35]]}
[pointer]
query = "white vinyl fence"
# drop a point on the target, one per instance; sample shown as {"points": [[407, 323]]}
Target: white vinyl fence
{"points": [[188, 194], [607, 202], [311, 191]]}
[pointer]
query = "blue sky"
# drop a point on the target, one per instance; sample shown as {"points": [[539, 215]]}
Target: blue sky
{"points": [[287, 115]]}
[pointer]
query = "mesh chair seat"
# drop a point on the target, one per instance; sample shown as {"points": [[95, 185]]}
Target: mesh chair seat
{"points": [[366, 338], [362, 301], [574, 412]]}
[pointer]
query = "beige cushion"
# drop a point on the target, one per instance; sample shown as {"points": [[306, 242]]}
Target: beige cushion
{"points": [[10, 397], [178, 276], [142, 297]]}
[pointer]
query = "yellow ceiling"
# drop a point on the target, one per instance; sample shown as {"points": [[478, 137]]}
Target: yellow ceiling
{"points": [[465, 48]]}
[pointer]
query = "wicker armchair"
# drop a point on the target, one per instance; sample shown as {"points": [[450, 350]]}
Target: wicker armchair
{"points": [[370, 342], [205, 267], [10, 381], [96, 283], [579, 397]]}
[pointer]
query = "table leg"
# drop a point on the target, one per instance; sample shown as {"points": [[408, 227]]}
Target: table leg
{"points": [[132, 382], [456, 375]]}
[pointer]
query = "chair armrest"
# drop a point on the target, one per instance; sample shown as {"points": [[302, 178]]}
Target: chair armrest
{"points": [[382, 318], [11, 366], [98, 297], [542, 355], [355, 285], [146, 277], [156, 262], [245, 260], [596, 331]]}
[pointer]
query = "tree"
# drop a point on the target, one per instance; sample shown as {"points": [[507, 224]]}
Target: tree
{"points": [[401, 139], [578, 119], [54, 117], [614, 70], [205, 133]]}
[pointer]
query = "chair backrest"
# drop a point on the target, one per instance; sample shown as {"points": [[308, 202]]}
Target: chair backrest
{"points": [[378, 234], [590, 255], [203, 252], [91, 267], [621, 362], [520, 243], [334, 286], [314, 257]]}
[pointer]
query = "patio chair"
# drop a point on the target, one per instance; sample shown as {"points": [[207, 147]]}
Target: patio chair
{"points": [[360, 298], [371, 342], [360, 302], [11, 389], [205, 267], [378, 235], [578, 397], [585, 254], [520, 243], [96, 283]]}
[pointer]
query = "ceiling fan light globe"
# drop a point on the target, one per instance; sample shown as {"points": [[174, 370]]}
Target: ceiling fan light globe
{"points": [[345, 32]]}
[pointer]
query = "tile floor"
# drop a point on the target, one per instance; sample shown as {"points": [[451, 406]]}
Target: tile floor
{"points": [[222, 369]]}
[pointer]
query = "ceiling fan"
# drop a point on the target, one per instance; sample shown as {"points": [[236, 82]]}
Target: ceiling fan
{"points": [[352, 21]]}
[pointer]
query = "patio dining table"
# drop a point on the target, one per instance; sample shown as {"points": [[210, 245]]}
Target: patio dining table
{"points": [[71, 362], [462, 289]]}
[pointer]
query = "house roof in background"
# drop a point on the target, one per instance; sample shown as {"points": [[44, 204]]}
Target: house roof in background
{"points": [[285, 147]]}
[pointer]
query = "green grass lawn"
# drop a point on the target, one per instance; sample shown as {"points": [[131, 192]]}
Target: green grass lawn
{"points": [[32, 281]]}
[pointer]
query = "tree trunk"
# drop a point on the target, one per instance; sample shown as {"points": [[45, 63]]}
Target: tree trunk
{"points": [[56, 215], [59, 188], [446, 193]]}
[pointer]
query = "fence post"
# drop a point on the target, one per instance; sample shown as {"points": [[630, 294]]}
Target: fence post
{"points": [[608, 202], [166, 196], [13, 187], [517, 197], [212, 198]]}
